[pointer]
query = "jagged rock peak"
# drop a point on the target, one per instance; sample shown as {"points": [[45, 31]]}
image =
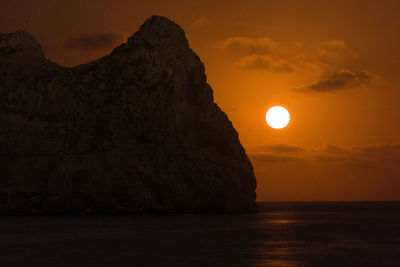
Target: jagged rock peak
{"points": [[19, 41], [159, 30]]}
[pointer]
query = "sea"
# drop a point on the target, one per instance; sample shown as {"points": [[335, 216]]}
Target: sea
{"points": [[280, 234]]}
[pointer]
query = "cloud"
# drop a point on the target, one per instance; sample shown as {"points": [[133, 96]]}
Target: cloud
{"points": [[273, 158], [276, 153], [264, 62], [329, 154], [333, 50], [249, 45], [383, 151], [329, 148], [339, 80], [94, 41], [280, 148], [200, 22], [311, 61], [367, 153]]}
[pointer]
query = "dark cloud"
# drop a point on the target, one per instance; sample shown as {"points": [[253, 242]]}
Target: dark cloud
{"points": [[280, 148], [367, 150], [335, 149], [359, 154], [384, 151], [364, 155], [93, 41], [277, 153], [264, 62], [273, 158], [339, 80]]}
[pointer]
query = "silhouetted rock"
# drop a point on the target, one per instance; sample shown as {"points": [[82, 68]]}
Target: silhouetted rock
{"points": [[19, 41], [134, 131]]}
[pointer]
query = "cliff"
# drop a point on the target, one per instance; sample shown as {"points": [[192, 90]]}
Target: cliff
{"points": [[134, 131]]}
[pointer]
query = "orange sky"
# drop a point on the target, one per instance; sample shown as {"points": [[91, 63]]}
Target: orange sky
{"points": [[332, 64]]}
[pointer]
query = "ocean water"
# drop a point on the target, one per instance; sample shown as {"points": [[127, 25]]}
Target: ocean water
{"points": [[281, 234]]}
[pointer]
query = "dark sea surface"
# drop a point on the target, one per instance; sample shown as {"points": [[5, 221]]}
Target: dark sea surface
{"points": [[281, 234]]}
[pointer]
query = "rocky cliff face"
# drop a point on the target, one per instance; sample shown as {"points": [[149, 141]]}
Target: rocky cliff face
{"points": [[134, 131]]}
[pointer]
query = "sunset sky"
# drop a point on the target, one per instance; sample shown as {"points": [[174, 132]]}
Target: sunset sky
{"points": [[333, 64]]}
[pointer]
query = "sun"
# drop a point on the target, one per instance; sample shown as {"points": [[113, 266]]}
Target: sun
{"points": [[278, 117]]}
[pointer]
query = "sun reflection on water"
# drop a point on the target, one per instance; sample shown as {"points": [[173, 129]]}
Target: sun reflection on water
{"points": [[281, 245]]}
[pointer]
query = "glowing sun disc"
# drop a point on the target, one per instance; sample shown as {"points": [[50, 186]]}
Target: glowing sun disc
{"points": [[278, 117]]}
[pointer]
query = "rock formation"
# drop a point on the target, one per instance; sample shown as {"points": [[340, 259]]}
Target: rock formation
{"points": [[134, 131]]}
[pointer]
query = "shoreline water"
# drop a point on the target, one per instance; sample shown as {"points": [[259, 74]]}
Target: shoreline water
{"points": [[281, 234]]}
